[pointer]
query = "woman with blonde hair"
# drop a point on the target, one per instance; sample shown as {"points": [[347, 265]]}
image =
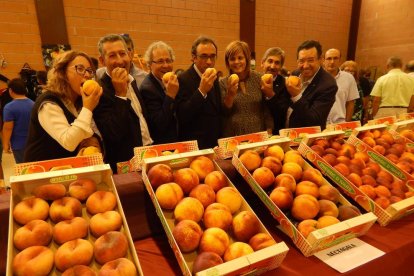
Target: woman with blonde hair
{"points": [[61, 118], [244, 105]]}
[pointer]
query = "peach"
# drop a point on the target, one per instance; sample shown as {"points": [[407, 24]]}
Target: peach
{"points": [[305, 207], [368, 180], [286, 180], [319, 150], [347, 211], [329, 192], [392, 157], [355, 169], [82, 188], [101, 201], [327, 208], [409, 194], [355, 179], [261, 240], [404, 165], [330, 159], [264, 177], [121, 266], [369, 141], [326, 221], [313, 175], [294, 81], [368, 190], [217, 215], [202, 165], [342, 169], [347, 150], [79, 270], [160, 174], [65, 208], [321, 142], [189, 208], [50, 191], [204, 193], [394, 199], [102, 223], [74, 252], [293, 169], [110, 246], [187, 178], [407, 133], [332, 151], [386, 175], [305, 227], [90, 86], [216, 180], [236, 250], [68, 230], [187, 234], [35, 232], [359, 162], [383, 143], [380, 149], [275, 151], [273, 164], [168, 195], [245, 225], [336, 145], [375, 166], [30, 209], [206, 260], [307, 187], [383, 202], [282, 197], [381, 190], [250, 159], [295, 157], [369, 171], [361, 155], [214, 240], [230, 197], [34, 260], [344, 160]]}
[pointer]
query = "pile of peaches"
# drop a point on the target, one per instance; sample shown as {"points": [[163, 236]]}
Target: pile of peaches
{"points": [[371, 179], [208, 213], [56, 213], [301, 193], [394, 149]]}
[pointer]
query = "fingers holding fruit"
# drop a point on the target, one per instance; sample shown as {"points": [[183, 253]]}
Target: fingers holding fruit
{"points": [[207, 80], [170, 81], [232, 84], [267, 85], [91, 92], [293, 85]]}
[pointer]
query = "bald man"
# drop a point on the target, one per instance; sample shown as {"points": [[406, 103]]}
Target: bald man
{"points": [[343, 108]]}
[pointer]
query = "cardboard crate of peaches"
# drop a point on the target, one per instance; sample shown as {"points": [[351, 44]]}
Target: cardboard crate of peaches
{"points": [[361, 173], [310, 210], [405, 128], [69, 222], [211, 228]]}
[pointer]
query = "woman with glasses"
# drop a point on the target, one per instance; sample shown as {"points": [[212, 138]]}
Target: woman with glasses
{"points": [[244, 107], [61, 118]]}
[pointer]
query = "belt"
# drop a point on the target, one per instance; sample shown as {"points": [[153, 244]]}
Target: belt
{"points": [[394, 107]]}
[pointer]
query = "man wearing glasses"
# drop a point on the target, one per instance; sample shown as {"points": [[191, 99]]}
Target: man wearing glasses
{"points": [[309, 103], [159, 93], [121, 114], [198, 99]]}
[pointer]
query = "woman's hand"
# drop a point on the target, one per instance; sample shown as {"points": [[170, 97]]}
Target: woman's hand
{"points": [[92, 100]]}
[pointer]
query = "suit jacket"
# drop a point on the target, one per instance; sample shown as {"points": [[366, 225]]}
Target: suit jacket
{"points": [[312, 108], [161, 111], [279, 87], [198, 118], [118, 123]]}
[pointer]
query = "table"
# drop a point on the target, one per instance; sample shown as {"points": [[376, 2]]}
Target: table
{"points": [[157, 258]]}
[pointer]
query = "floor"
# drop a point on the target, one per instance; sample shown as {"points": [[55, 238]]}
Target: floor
{"points": [[8, 167]]}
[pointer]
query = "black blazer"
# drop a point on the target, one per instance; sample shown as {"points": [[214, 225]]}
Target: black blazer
{"points": [[312, 108], [279, 87], [161, 111], [198, 118], [118, 123]]}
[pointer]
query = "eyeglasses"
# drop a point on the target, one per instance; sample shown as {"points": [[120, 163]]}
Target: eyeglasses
{"points": [[162, 61], [81, 70], [206, 57], [309, 61]]}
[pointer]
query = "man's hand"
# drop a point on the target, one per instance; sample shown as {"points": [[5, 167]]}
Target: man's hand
{"points": [[171, 85], [293, 88], [267, 87], [207, 81], [120, 81]]}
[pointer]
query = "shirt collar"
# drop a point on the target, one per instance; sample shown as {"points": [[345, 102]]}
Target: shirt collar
{"points": [[196, 69]]}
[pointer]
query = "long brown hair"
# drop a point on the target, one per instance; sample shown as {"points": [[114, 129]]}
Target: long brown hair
{"points": [[232, 49], [57, 80]]}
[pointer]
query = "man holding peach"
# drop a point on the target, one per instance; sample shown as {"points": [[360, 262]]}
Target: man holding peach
{"points": [[198, 99]]}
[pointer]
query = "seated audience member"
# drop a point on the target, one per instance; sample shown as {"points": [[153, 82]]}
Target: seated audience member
{"points": [[61, 117], [121, 113], [361, 103], [136, 72], [393, 92], [310, 103], [244, 108], [16, 120], [198, 99], [159, 94], [272, 63], [343, 108], [409, 68]]}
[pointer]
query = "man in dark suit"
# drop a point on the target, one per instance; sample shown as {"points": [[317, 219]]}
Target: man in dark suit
{"points": [[198, 99], [120, 114], [272, 63], [159, 95], [309, 102]]}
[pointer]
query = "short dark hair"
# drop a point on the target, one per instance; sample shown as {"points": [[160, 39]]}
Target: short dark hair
{"points": [[202, 40], [17, 86], [394, 62], [110, 38], [410, 66], [275, 51], [128, 41], [309, 44]]}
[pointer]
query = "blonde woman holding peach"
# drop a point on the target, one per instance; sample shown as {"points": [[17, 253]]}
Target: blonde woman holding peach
{"points": [[244, 106]]}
